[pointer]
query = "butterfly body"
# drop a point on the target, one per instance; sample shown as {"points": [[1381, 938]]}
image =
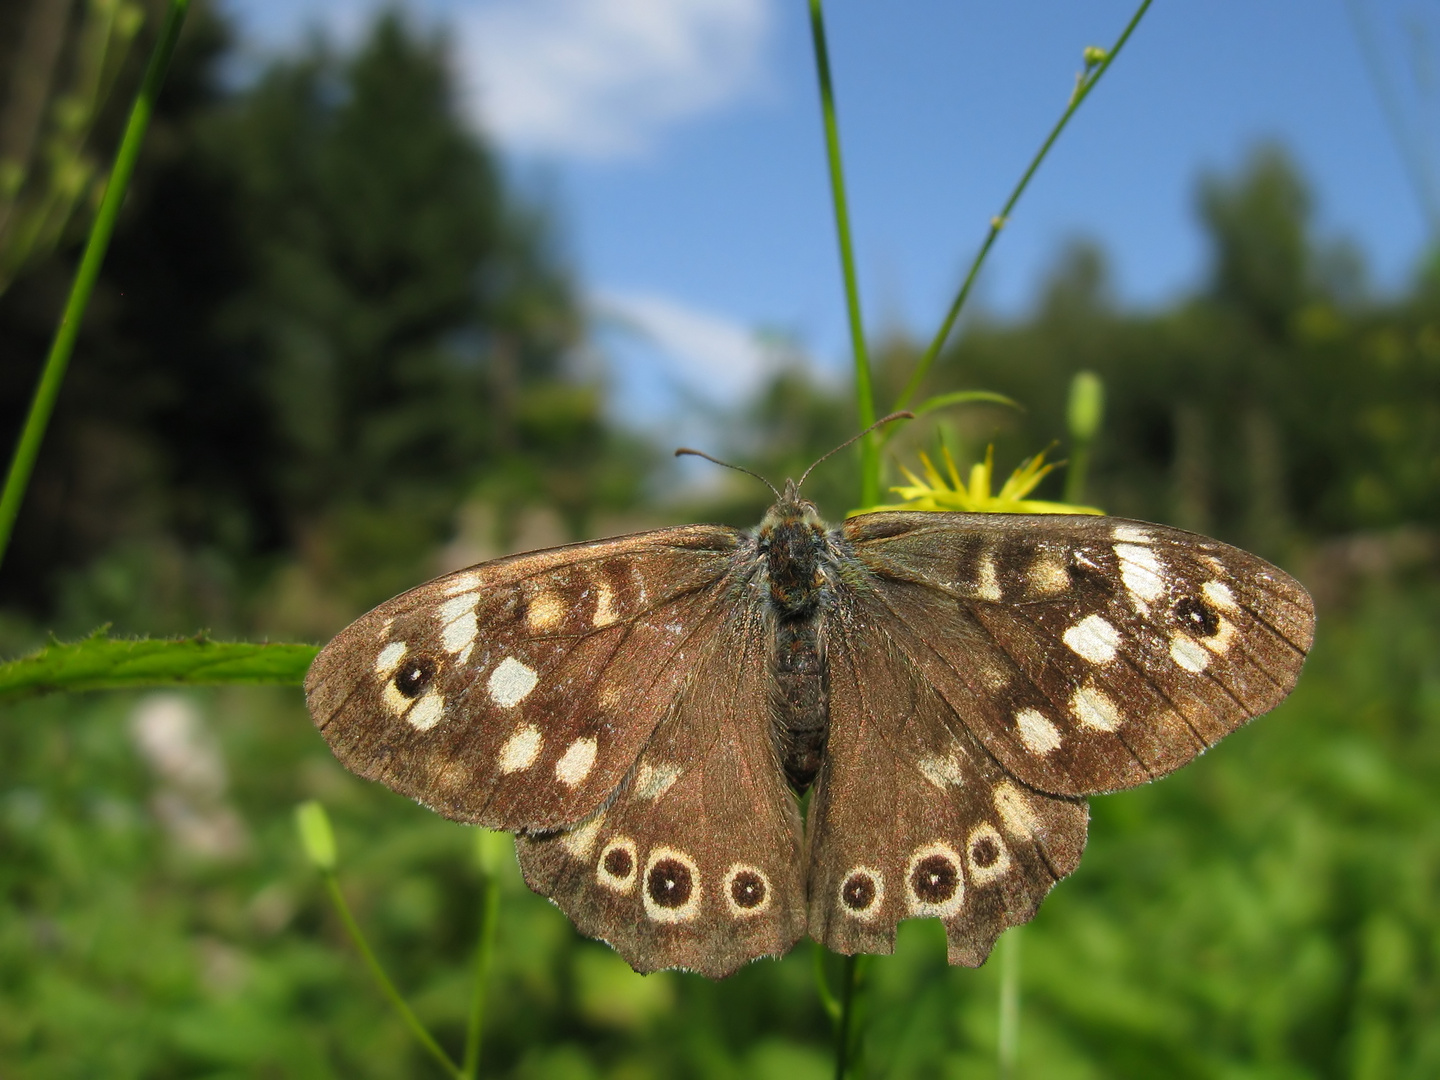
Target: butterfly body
{"points": [[797, 558], [644, 712]]}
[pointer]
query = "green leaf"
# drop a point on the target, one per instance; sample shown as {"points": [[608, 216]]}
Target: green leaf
{"points": [[100, 662], [964, 397]]}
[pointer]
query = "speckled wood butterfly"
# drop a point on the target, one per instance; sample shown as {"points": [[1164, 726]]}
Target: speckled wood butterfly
{"points": [[644, 711]]}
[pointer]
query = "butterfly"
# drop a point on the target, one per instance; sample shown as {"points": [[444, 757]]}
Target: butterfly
{"points": [[647, 711]]}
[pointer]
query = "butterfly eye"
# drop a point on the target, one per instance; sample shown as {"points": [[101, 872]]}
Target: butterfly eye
{"points": [[985, 852], [748, 889], [619, 863], [415, 676], [934, 879], [1197, 616], [669, 883], [858, 892]]}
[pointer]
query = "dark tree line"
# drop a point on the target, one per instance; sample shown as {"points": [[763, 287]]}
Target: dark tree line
{"points": [[326, 319]]}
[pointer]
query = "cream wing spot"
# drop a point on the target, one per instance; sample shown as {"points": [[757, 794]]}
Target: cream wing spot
{"points": [[1188, 654], [1039, 735], [604, 613], [1219, 642], [457, 607], [652, 781], [994, 677], [398, 703], [389, 658], [575, 764], [459, 629], [943, 771], [544, 611], [428, 711], [467, 582], [1131, 534], [580, 840], [988, 586], [1017, 816], [1219, 594], [1095, 709], [1048, 576], [986, 855], [1141, 571], [934, 882], [511, 682], [521, 749], [1093, 639]]}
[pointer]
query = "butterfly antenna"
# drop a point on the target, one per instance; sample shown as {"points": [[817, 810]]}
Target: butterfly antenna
{"points": [[738, 468], [902, 415]]}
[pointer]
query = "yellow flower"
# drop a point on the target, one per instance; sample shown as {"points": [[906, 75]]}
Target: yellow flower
{"points": [[934, 493]]}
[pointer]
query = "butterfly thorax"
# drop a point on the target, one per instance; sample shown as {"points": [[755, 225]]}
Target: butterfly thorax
{"points": [[793, 544]]}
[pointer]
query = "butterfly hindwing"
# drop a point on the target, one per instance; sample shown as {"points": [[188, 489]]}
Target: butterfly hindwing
{"points": [[696, 862], [912, 818], [1086, 654], [518, 693]]}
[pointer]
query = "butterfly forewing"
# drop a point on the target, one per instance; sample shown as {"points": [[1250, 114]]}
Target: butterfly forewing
{"points": [[1086, 654], [696, 862], [912, 818], [517, 694]]}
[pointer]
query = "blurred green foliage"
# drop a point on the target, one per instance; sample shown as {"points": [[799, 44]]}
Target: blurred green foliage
{"points": [[333, 341], [1269, 911]]}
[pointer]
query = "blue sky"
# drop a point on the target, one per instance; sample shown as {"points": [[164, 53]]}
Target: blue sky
{"points": [[679, 141]]}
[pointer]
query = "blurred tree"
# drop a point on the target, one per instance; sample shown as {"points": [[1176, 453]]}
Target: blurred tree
{"points": [[1259, 227], [1279, 402], [326, 322]]}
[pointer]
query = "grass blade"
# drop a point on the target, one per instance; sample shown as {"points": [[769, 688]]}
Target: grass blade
{"points": [[53, 374]]}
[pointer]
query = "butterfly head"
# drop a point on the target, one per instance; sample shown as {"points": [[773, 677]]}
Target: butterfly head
{"points": [[791, 539]]}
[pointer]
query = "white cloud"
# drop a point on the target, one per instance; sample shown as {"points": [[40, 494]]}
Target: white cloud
{"points": [[706, 353], [601, 78]]}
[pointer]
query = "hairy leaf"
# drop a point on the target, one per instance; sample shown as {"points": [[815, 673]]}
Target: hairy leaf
{"points": [[100, 662]]}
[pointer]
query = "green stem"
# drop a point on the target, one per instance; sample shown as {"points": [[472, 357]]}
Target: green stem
{"points": [[484, 950], [1082, 91], [332, 886], [846, 1031], [828, 1001], [31, 436], [1076, 473], [864, 392], [1009, 1035]]}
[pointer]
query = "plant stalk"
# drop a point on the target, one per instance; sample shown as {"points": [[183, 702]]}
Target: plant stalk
{"points": [[484, 951], [382, 980], [1008, 1037], [22, 465], [847, 1030], [864, 391], [1082, 91]]}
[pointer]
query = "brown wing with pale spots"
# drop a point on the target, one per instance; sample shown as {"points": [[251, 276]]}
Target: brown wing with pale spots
{"points": [[912, 818], [1086, 654], [696, 863], [518, 693]]}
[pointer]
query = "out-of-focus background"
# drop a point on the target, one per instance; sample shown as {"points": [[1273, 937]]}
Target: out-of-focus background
{"points": [[396, 290]]}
